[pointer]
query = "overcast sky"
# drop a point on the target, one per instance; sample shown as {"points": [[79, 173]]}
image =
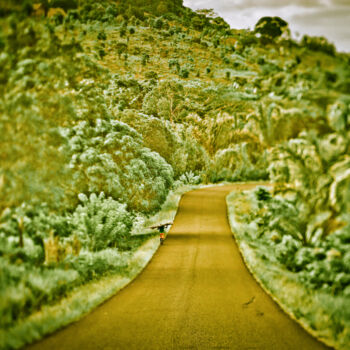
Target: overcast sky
{"points": [[329, 18]]}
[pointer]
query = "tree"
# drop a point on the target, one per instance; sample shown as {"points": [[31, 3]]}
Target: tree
{"points": [[184, 72], [198, 23], [272, 27], [121, 47], [64, 4], [158, 24], [145, 59], [27, 7], [46, 6], [166, 100], [162, 8], [122, 32], [210, 13], [318, 44], [102, 35]]}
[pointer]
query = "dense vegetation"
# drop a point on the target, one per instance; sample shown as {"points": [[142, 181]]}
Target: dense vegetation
{"points": [[106, 106]]}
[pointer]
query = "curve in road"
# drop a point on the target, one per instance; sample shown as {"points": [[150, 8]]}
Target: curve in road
{"points": [[196, 293]]}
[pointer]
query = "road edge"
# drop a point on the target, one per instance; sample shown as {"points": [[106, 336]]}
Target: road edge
{"points": [[84, 299], [242, 247]]}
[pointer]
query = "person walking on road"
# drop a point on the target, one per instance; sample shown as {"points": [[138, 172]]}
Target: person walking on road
{"points": [[161, 234], [161, 228]]}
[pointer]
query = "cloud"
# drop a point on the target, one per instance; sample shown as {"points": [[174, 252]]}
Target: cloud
{"points": [[244, 4], [278, 3], [331, 23], [327, 18], [341, 2]]}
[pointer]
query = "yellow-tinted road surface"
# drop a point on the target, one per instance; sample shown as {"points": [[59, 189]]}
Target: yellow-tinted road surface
{"points": [[196, 293]]}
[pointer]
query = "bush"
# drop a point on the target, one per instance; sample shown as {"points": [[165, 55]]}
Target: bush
{"points": [[111, 156], [101, 222], [158, 24], [24, 290], [151, 75], [285, 251], [174, 63], [318, 44], [319, 264], [262, 194], [189, 178], [184, 73], [102, 36]]}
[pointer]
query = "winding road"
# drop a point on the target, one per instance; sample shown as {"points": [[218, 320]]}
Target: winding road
{"points": [[196, 293]]}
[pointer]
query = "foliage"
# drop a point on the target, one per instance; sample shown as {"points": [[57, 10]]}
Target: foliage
{"points": [[310, 283], [271, 26], [317, 166], [133, 98], [101, 222], [319, 263], [318, 44], [109, 154], [189, 178]]}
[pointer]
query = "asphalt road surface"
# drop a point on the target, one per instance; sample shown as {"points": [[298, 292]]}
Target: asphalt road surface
{"points": [[196, 293]]}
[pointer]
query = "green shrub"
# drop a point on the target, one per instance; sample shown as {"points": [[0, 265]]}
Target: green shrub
{"points": [[262, 194], [174, 63], [151, 75], [189, 178], [184, 73], [318, 44], [102, 35], [319, 264], [111, 155], [158, 24], [101, 222], [24, 289], [286, 249]]}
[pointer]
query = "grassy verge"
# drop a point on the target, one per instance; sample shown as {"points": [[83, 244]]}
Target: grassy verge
{"points": [[322, 314], [77, 304], [83, 299]]}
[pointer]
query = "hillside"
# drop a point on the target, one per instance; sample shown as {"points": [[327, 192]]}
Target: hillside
{"points": [[107, 106]]}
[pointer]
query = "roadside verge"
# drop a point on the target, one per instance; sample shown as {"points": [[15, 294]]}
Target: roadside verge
{"points": [[315, 311], [85, 298]]}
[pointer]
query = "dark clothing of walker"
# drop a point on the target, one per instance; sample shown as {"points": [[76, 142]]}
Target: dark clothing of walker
{"points": [[161, 228]]}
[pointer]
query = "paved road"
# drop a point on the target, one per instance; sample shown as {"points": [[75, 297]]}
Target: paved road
{"points": [[196, 293]]}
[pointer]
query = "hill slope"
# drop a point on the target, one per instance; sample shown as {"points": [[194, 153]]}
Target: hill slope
{"points": [[106, 106]]}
